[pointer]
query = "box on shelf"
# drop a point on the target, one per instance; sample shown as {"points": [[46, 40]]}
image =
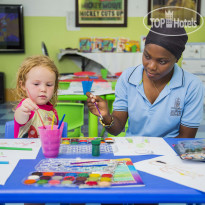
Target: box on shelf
{"points": [[97, 45], [121, 44], [109, 45], [86, 45], [132, 46]]}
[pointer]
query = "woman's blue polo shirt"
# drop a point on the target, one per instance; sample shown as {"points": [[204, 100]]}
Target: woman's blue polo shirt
{"points": [[179, 103]]}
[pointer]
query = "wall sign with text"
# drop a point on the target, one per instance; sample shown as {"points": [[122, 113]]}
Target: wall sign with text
{"points": [[101, 13]]}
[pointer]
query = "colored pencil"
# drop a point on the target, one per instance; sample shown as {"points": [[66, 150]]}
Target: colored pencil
{"points": [[4, 162], [37, 111], [61, 121], [16, 148]]}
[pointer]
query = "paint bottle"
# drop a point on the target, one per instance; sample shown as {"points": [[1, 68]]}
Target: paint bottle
{"points": [[95, 148]]}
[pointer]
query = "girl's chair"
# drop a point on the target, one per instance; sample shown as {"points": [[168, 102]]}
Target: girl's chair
{"points": [[9, 130], [74, 117]]}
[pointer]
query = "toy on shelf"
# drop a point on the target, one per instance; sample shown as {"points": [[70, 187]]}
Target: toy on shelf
{"points": [[121, 42], [109, 45], [85, 45], [132, 46], [97, 45]]}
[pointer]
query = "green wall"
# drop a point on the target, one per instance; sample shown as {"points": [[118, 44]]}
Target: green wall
{"points": [[52, 30]]}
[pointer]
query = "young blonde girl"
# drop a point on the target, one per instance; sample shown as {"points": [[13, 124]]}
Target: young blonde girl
{"points": [[36, 90]]}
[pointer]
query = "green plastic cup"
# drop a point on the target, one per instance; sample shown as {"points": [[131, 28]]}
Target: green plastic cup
{"points": [[104, 73]]}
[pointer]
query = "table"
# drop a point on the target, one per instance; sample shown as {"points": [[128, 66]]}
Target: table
{"points": [[156, 189], [113, 62]]}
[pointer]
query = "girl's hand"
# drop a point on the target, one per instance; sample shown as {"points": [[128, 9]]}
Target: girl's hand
{"points": [[94, 101], [23, 112], [27, 106]]}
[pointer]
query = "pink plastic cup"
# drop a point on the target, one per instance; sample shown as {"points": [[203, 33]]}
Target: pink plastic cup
{"points": [[50, 140]]}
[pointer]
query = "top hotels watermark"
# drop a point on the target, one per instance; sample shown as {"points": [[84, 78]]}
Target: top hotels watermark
{"points": [[173, 17]]}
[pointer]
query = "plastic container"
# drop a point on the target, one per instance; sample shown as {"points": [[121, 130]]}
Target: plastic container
{"points": [[50, 140], [95, 148]]}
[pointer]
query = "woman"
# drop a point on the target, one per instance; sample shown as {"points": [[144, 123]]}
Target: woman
{"points": [[158, 98]]}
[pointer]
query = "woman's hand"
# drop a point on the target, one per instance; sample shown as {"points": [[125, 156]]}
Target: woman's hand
{"points": [[94, 101]]}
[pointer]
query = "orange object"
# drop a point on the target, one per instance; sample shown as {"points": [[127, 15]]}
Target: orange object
{"points": [[29, 181], [48, 174]]}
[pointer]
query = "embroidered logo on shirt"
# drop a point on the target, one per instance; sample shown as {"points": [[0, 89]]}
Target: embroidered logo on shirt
{"points": [[176, 110]]}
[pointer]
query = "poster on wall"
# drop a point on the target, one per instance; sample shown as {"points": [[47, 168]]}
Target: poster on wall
{"points": [[187, 11], [101, 13]]}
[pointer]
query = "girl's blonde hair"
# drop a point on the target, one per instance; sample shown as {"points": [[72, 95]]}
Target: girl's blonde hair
{"points": [[26, 66]]}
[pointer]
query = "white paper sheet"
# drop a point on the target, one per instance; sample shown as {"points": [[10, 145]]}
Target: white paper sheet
{"points": [[13, 156], [35, 144], [138, 145], [7, 169], [98, 88], [175, 169]]}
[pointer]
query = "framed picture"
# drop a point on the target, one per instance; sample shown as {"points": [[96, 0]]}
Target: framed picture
{"points": [[188, 10], [98, 13]]}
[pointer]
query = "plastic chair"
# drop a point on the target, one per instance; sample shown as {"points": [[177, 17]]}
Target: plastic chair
{"points": [[63, 85], [9, 130], [74, 117]]}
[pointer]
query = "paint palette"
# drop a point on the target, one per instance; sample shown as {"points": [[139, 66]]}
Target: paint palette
{"points": [[84, 173], [69, 179], [191, 149], [83, 149], [79, 140]]}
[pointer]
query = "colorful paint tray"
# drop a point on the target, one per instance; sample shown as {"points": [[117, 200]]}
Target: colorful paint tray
{"points": [[69, 179], [122, 170]]}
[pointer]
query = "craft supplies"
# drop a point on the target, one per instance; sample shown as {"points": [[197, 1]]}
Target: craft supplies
{"points": [[66, 179], [50, 140], [98, 111], [95, 148], [191, 149], [109, 140], [4, 162], [16, 148], [64, 165], [84, 173], [60, 123], [83, 148], [83, 145]]}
